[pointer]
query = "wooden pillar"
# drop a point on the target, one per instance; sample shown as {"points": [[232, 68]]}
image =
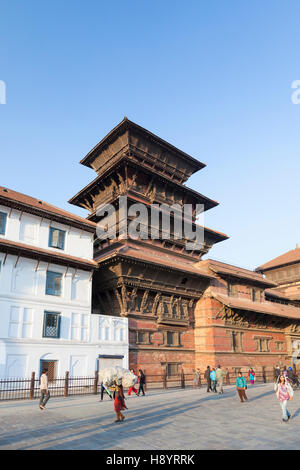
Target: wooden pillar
{"points": [[182, 379], [165, 380], [66, 390], [96, 383], [32, 383]]}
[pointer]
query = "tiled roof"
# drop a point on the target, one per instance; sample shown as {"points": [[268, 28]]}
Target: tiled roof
{"points": [[36, 206], [127, 124], [269, 308], [277, 293], [228, 270], [291, 257], [157, 258], [29, 251], [77, 199]]}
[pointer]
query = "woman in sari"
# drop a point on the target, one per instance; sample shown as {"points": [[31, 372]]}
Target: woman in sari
{"points": [[251, 375]]}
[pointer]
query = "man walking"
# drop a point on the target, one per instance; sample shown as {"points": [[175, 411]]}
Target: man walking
{"points": [[207, 377], [213, 378], [45, 394], [104, 390], [142, 381], [220, 374]]}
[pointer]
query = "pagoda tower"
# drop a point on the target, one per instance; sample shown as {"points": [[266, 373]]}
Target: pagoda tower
{"points": [[154, 281]]}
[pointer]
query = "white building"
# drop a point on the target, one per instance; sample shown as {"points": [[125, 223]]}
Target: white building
{"points": [[46, 268]]}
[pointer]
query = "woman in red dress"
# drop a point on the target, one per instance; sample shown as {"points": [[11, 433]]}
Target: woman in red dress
{"points": [[119, 403]]}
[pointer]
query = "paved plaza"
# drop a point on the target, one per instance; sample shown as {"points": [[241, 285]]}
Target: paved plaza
{"points": [[174, 419]]}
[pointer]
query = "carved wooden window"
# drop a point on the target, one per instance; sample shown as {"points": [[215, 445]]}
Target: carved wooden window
{"points": [[171, 338], [262, 344], [237, 344], [143, 337], [279, 345]]}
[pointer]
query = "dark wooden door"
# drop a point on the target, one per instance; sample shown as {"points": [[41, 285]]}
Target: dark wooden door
{"points": [[50, 365]]}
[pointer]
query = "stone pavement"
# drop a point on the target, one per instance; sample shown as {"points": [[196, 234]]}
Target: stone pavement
{"points": [[175, 419]]}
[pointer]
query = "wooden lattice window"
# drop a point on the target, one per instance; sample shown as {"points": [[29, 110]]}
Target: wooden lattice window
{"points": [[51, 366], [172, 369], [51, 325]]}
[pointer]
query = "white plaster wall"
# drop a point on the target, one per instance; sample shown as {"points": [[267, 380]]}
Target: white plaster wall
{"points": [[23, 301], [33, 230], [20, 356]]}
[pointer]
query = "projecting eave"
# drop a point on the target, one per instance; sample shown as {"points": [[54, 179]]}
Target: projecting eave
{"points": [[143, 258], [126, 124], [229, 271], [267, 308], [40, 254], [37, 207], [218, 236], [78, 199], [287, 259]]}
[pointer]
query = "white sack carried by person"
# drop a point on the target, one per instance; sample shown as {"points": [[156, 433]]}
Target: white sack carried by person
{"points": [[117, 375]]}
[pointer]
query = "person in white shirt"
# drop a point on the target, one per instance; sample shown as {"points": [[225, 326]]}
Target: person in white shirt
{"points": [[45, 394]]}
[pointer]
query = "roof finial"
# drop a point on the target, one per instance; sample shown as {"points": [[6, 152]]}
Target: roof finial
{"points": [[297, 246]]}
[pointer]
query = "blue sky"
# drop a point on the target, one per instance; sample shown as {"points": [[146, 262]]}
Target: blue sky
{"points": [[212, 77]]}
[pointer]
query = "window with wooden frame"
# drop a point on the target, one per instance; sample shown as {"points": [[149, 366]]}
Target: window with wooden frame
{"points": [[255, 295], [53, 283], [51, 328], [232, 290], [262, 344], [237, 341], [3, 218], [143, 337], [172, 369], [279, 345], [57, 238], [171, 338]]}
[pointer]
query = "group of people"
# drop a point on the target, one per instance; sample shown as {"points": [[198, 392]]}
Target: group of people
{"points": [[118, 394], [288, 373], [214, 378]]}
